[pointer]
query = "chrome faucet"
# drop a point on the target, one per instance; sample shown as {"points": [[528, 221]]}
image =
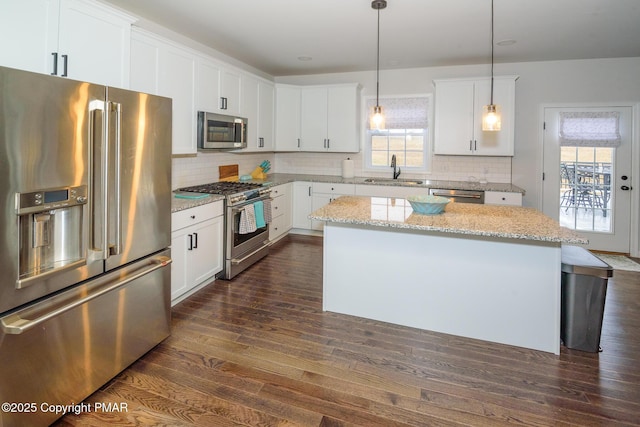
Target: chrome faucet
{"points": [[396, 173]]}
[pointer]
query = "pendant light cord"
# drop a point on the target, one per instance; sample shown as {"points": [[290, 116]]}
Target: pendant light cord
{"points": [[491, 52], [378, 62]]}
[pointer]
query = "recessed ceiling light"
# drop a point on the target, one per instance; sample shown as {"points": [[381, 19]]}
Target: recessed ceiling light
{"points": [[507, 42], [304, 58]]}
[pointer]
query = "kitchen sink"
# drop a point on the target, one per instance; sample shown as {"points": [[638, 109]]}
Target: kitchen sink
{"points": [[391, 180]]}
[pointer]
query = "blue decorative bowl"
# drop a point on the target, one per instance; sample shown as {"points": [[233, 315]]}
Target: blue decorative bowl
{"points": [[428, 205]]}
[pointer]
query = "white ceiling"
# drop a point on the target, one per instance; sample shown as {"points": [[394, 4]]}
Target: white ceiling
{"points": [[340, 35]]}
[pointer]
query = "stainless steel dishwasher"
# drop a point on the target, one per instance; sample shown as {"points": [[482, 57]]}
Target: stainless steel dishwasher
{"points": [[459, 196]]}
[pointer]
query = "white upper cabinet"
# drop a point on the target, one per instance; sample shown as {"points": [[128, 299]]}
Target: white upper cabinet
{"points": [[318, 118], [257, 108], [330, 118], [219, 88], [78, 39], [230, 92], [287, 118], [266, 103], [208, 93], [160, 67], [458, 116]]}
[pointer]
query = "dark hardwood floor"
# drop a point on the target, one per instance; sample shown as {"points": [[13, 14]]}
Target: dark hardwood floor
{"points": [[259, 351]]}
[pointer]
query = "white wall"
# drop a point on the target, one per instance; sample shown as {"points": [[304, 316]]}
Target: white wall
{"points": [[584, 81]]}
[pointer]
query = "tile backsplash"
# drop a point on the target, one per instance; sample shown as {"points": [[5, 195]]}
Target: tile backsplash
{"points": [[203, 168]]}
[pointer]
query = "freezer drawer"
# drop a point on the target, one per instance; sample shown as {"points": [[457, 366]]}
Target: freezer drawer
{"points": [[60, 350]]}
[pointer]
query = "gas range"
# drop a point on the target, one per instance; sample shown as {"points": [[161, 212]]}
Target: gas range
{"points": [[235, 192]]}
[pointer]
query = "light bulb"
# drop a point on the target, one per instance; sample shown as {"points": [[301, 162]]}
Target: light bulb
{"points": [[491, 120]]}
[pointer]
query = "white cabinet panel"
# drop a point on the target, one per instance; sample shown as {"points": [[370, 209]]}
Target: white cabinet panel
{"points": [[160, 67], [176, 80], [318, 118], [257, 107], [35, 24], [458, 117], [281, 210], [78, 39], [324, 193], [302, 196], [196, 247], [501, 198], [288, 110]]}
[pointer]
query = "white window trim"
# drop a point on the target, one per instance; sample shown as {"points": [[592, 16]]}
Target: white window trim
{"points": [[428, 135]]}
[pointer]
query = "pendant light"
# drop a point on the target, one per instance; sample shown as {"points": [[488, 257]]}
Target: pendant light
{"points": [[376, 120], [491, 120]]}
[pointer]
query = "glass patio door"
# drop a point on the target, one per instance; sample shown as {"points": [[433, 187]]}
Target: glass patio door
{"points": [[587, 173]]}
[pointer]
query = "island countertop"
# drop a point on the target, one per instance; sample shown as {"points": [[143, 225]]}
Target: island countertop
{"points": [[508, 222]]}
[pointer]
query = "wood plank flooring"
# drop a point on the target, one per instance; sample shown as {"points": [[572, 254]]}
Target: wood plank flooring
{"points": [[259, 351]]}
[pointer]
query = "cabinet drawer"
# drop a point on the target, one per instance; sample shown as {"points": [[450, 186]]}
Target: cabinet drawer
{"points": [[280, 190], [278, 227], [279, 206], [195, 215], [329, 188], [500, 198]]}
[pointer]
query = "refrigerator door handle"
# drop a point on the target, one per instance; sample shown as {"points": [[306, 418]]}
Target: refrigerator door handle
{"points": [[98, 235], [116, 248], [19, 322]]}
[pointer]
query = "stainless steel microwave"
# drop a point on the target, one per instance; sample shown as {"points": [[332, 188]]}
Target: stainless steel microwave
{"points": [[218, 131]]}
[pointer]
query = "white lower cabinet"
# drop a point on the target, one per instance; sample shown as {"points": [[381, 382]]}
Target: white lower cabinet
{"points": [[302, 196], [502, 198], [281, 211], [196, 248], [324, 193]]}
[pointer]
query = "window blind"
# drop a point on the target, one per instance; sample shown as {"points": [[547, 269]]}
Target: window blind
{"points": [[590, 129], [403, 113]]}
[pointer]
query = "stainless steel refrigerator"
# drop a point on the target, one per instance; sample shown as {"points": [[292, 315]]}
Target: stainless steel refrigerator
{"points": [[85, 226]]}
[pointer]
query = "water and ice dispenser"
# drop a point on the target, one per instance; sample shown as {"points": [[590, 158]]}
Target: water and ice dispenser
{"points": [[51, 231]]}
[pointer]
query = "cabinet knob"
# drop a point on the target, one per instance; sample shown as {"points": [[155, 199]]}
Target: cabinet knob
{"points": [[193, 217]]}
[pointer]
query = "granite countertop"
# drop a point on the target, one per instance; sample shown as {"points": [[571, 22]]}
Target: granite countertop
{"points": [[460, 218], [182, 204], [283, 178]]}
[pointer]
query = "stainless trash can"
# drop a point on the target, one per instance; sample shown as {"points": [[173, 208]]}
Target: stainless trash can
{"points": [[584, 288]]}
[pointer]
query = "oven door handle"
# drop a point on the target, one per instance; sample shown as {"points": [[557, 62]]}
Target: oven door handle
{"points": [[265, 244], [252, 201], [18, 323]]}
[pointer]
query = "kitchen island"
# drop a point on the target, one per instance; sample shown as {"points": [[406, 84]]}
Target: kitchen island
{"points": [[478, 271]]}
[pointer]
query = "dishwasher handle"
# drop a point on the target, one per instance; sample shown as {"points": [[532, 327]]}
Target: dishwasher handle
{"points": [[18, 323]]}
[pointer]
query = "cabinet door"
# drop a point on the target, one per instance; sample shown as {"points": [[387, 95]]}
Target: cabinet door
{"points": [[313, 123], [180, 282], [208, 93], [96, 42], [206, 258], [498, 143], [266, 98], [35, 24], [287, 118], [196, 253], [454, 118], [144, 64], [257, 107], [343, 119], [230, 92], [250, 112], [176, 80], [302, 205]]}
